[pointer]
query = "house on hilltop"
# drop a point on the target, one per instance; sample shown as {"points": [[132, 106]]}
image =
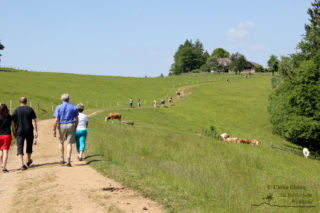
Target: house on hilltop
{"points": [[227, 61], [250, 67]]}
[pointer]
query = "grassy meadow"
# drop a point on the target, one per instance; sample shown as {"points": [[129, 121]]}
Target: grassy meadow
{"points": [[96, 92], [164, 155]]}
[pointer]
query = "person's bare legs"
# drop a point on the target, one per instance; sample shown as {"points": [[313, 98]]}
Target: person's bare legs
{"points": [[5, 159], [1, 155], [61, 147], [69, 151], [21, 159]]}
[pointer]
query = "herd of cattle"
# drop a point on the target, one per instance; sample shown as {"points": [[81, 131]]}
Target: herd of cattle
{"points": [[226, 137]]}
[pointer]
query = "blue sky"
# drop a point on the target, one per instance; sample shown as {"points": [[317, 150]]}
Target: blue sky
{"points": [[138, 38]]}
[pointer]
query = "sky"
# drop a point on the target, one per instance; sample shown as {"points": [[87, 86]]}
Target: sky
{"points": [[139, 38]]}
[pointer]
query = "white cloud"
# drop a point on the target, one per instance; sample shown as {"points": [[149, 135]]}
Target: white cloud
{"points": [[241, 25], [232, 34], [245, 25]]}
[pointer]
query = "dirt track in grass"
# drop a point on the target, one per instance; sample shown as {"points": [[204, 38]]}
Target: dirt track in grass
{"points": [[49, 187]]}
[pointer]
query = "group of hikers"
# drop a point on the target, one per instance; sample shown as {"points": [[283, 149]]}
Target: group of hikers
{"points": [[131, 103], [70, 124]]}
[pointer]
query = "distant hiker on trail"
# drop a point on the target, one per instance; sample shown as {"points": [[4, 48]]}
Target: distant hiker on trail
{"points": [[81, 133], [131, 102], [66, 118], [139, 104], [6, 121], [227, 80], [25, 120]]}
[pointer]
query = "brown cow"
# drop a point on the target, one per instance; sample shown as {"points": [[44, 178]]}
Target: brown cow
{"points": [[113, 116], [230, 139], [255, 142], [245, 141]]}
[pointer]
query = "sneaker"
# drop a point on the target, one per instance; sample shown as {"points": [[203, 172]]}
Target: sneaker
{"points": [[69, 164], [5, 170], [24, 167], [80, 159], [29, 163], [62, 162]]}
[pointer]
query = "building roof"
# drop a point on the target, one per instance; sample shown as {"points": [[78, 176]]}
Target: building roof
{"points": [[253, 64], [224, 61]]}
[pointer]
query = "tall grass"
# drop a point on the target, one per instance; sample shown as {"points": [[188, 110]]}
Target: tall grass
{"points": [[164, 158]]}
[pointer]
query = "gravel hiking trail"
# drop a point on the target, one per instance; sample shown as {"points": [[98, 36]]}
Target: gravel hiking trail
{"points": [[49, 187]]}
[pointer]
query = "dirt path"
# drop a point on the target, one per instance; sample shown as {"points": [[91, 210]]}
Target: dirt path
{"points": [[48, 187]]}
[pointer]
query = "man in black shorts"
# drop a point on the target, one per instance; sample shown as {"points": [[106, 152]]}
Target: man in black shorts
{"points": [[25, 120]]}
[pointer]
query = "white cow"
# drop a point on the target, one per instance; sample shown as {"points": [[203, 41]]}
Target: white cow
{"points": [[306, 152], [223, 136]]}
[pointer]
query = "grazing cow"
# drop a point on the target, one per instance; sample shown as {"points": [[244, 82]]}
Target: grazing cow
{"points": [[245, 141], [162, 102], [155, 103], [223, 136], [113, 116], [230, 139], [255, 142], [170, 100], [209, 81], [246, 76], [306, 152], [178, 94]]}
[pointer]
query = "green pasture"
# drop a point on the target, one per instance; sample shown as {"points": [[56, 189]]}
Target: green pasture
{"points": [[164, 156], [96, 92]]}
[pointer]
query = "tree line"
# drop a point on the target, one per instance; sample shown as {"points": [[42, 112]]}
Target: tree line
{"points": [[191, 57], [294, 105], [1, 48]]}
